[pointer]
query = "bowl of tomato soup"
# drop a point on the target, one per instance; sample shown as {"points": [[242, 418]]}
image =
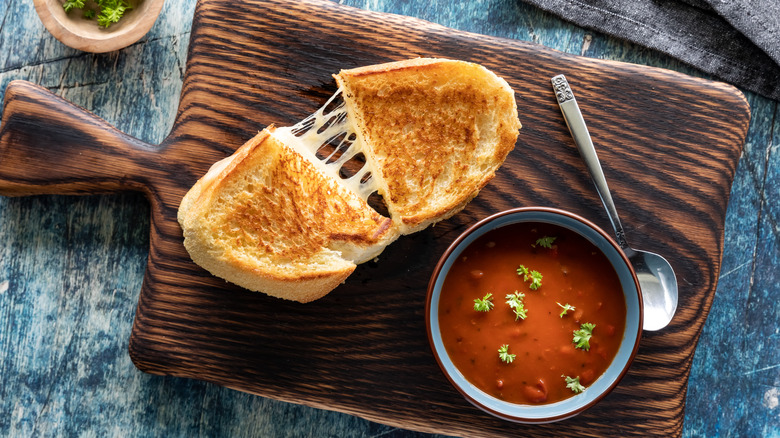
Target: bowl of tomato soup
{"points": [[534, 314]]}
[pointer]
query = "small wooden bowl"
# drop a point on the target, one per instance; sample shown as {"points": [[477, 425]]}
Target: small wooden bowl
{"points": [[75, 31]]}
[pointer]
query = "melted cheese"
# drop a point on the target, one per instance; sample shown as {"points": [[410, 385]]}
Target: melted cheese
{"points": [[332, 126]]}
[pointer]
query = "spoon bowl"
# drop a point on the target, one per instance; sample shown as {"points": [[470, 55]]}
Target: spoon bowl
{"points": [[659, 287], [655, 274]]}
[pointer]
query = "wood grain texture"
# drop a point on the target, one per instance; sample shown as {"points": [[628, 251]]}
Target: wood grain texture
{"points": [[564, 171]]}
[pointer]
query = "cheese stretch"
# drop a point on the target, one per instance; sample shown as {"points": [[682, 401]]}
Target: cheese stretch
{"points": [[331, 127]]}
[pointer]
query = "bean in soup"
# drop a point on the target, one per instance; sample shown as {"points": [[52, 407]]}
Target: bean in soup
{"points": [[532, 313]]}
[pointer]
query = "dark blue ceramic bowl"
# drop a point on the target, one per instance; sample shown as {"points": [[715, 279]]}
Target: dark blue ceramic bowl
{"points": [[599, 388]]}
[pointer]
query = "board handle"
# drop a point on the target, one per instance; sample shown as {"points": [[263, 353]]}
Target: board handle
{"points": [[51, 146]]}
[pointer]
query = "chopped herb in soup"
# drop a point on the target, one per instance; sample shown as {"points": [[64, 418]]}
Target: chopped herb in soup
{"points": [[532, 313]]}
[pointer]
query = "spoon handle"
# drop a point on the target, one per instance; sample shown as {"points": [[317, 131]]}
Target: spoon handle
{"points": [[576, 123]]}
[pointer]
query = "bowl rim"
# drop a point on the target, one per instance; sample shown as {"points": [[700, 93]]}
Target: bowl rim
{"points": [[521, 211]]}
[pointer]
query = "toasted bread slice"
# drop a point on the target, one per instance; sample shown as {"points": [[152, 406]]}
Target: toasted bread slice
{"points": [[435, 132], [266, 219], [279, 218]]}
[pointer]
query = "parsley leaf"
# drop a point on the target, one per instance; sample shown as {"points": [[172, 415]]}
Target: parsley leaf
{"points": [[515, 301], [534, 276], [574, 384], [582, 336], [70, 4], [536, 280], [111, 11], [566, 307], [545, 242], [484, 304], [503, 354]]}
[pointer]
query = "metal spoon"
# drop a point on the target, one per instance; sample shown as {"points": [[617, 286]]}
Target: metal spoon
{"points": [[655, 274]]}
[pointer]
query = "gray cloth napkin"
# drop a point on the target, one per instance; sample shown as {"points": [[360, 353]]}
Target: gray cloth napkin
{"points": [[736, 41]]}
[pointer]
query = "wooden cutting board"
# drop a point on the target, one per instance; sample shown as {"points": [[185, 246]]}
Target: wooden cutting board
{"points": [[669, 144]]}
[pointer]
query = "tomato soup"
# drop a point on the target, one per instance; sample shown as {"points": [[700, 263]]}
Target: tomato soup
{"points": [[552, 338]]}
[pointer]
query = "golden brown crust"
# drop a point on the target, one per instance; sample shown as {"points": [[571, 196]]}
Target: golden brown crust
{"points": [[268, 220], [437, 130]]}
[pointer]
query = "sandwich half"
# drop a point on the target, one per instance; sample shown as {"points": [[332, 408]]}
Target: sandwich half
{"points": [[288, 213], [267, 220], [436, 131]]}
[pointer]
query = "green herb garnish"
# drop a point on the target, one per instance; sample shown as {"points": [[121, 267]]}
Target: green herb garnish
{"points": [[535, 277], [515, 301], [545, 242], [503, 354], [484, 304], [110, 11], [536, 280], [582, 336], [566, 307], [574, 384], [522, 270], [70, 4]]}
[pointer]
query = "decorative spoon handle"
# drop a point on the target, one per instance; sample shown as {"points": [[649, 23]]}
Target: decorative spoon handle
{"points": [[576, 123]]}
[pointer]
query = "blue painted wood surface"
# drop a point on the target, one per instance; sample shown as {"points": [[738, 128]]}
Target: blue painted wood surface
{"points": [[71, 267]]}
